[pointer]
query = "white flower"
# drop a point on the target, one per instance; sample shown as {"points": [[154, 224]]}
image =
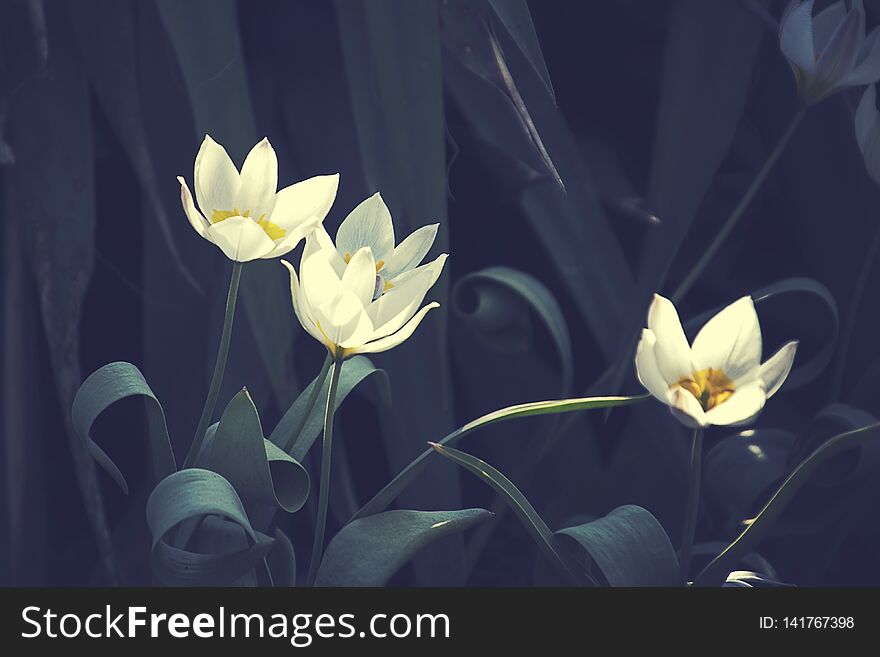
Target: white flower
{"points": [[867, 124], [369, 224], [242, 213], [719, 380], [829, 51], [340, 310]]}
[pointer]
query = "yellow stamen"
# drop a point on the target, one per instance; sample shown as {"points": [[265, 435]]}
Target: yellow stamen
{"points": [[710, 387], [388, 286], [379, 265], [347, 258], [274, 231]]}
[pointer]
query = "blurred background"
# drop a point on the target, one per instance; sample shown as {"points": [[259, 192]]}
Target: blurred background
{"points": [[579, 156]]}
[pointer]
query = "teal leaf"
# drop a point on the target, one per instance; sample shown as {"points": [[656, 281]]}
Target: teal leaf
{"points": [[369, 551], [629, 546], [393, 488], [105, 387], [531, 520], [281, 561], [354, 371], [262, 475]]}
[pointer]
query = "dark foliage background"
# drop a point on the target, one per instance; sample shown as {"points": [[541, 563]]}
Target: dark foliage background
{"points": [[663, 112]]}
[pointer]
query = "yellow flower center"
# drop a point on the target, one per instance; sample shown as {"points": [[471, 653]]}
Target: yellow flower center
{"points": [[274, 231], [710, 387], [379, 263]]}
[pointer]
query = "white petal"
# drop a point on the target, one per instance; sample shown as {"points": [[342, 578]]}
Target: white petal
{"points": [[836, 61], [320, 240], [826, 22], [360, 275], [731, 340], [305, 204], [741, 408], [300, 306], [350, 325], [686, 408], [391, 341], [866, 116], [240, 238], [216, 179], [671, 349], [394, 308], [867, 69], [775, 369], [198, 222], [796, 35], [647, 370], [411, 251], [369, 224], [259, 178], [320, 284], [435, 267]]}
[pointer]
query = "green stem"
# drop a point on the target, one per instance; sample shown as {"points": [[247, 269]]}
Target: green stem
{"points": [[313, 398], [740, 208], [219, 367], [693, 508], [323, 491], [852, 313]]}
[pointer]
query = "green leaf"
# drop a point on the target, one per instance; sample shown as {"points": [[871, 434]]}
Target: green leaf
{"points": [[191, 495], [534, 524], [629, 546], [517, 19], [391, 490], [493, 314], [353, 373], [105, 387], [369, 551], [281, 561], [238, 451], [716, 571]]}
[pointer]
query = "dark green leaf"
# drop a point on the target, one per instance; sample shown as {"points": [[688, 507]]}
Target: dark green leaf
{"points": [[369, 551], [105, 387], [517, 19], [281, 561], [532, 521], [629, 546]]}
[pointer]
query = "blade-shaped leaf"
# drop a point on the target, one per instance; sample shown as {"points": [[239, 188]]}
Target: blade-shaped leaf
{"points": [[307, 429], [629, 546], [717, 570], [517, 19], [532, 521], [369, 551], [102, 389], [281, 561], [393, 488]]}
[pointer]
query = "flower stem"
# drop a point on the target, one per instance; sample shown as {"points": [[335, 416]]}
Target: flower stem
{"points": [[693, 507], [313, 398], [219, 367], [323, 491], [740, 208], [852, 313]]}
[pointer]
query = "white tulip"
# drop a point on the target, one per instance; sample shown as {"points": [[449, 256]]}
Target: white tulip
{"points": [[369, 224], [340, 311], [719, 380], [242, 213], [829, 51]]}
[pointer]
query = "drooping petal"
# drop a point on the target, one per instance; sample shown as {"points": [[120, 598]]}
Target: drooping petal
{"points": [[320, 240], [391, 341], [369, 224], [775, 369], [740, 408], [240, 238], [394, 308], [867, 68], [300, 305], [304, 204], [216, 179], [411, 251], [796, 35], [360, 275], [647, 370], [686, 408], [259, 178], [198, 222], [731, 341], [825, 23], [671, 349]]}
